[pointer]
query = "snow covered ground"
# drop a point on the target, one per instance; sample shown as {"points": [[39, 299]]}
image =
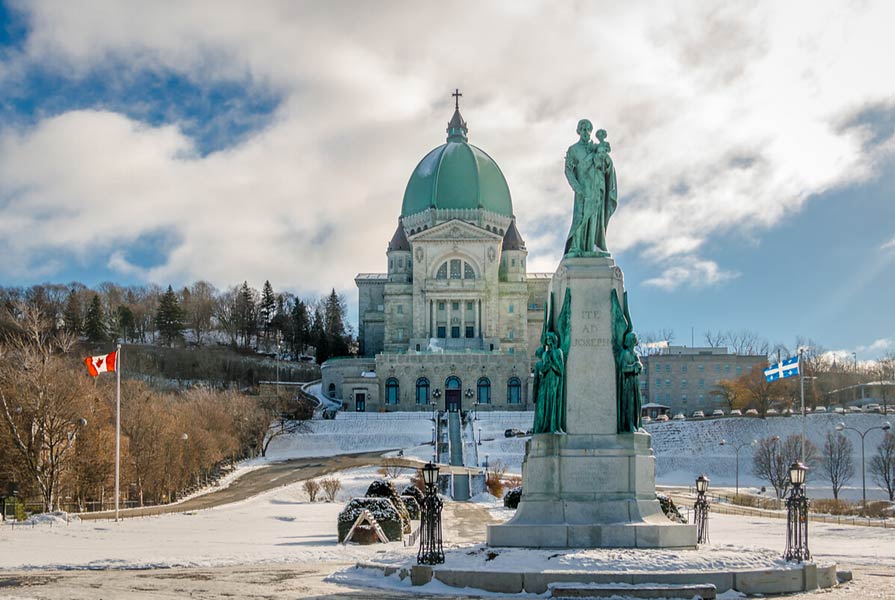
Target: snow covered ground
{"points": [[274, 527], [282, 526]]}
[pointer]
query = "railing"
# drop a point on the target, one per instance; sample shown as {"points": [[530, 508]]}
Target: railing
{"points": [[721, 504]]}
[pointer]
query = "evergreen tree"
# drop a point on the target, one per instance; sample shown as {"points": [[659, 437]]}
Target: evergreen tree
{"points": [[169, 318], [267, 310], [319, 337], [95, 322], [301, 327], [334, 324], [126, 322], [247, 313], [71, 316]]}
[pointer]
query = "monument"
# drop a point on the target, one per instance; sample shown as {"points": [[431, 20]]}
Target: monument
{"points": [[589, 471]]}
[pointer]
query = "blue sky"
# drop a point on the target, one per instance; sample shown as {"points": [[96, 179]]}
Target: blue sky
{"points": [[168, 143]]}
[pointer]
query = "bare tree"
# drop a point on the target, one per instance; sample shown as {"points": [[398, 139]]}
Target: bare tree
{"points": [[41, 397], [773, 457], [285, 417], [199, 308], [836, 461], [882, 465], [715, 339]]}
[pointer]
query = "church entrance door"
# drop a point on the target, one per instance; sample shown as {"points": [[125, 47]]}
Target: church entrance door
{"points": [[452, 400], [452, 389], [360, 402]]}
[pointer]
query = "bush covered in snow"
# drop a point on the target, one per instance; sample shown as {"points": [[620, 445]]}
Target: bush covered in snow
{"points": [[670, 509], [412, 506], [382, 488], [412, 490], [512, 498], [382, 510]]}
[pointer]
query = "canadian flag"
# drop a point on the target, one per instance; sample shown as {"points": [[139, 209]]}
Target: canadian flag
{"points": [[101, 364]]}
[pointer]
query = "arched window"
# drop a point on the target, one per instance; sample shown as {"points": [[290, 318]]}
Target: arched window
{"points": [[422, 391], [332, 390], [484, 391], [453, 383], [514, 391], [391, 391], [455, 269]]}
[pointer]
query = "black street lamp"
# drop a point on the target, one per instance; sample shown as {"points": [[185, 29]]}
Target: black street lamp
{"points": [[701, 510], [737, 448], [797, 516], [884, 427], [431, 551]]}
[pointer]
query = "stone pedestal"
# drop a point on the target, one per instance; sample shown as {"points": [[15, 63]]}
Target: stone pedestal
{"points": [[590, 487]]}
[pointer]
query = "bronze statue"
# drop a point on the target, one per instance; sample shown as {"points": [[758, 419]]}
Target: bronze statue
{"points": [[591, 173], [627, 367], [550, 370]]}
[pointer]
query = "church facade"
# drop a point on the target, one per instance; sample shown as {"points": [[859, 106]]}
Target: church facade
{"points": [[455, 320]]}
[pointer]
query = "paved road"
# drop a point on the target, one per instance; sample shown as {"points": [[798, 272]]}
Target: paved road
{"points": [[256, 481]]}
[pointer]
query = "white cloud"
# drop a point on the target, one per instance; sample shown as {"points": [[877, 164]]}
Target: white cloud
{"points": [[877, 346], [722, 119], [890, 245], [692, 272]]}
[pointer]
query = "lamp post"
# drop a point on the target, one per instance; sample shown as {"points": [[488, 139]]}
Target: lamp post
{"points": [[701, 510], [737, 448], [279, 345], [797, 516], [431, 551], [884, 427]]}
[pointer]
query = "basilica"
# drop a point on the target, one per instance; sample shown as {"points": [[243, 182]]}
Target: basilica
{"points": [[455, 321]]}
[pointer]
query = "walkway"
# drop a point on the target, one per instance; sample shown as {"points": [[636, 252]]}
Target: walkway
{"points": [[461, 482]]}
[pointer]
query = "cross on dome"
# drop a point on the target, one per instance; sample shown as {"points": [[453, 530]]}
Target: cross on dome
{"points": [[457, 130], [456, 96]]}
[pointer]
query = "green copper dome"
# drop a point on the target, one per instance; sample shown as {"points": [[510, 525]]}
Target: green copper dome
{"points": [[457, 175]]}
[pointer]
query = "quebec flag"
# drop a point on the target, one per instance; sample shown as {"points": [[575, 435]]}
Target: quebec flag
{"points": [[782, 370]]}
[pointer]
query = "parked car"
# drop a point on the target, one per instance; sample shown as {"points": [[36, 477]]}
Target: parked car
{"points": [[698, 414], [513, 432], [854, 409], [646, 419], [873, 408], [736, 413], [818, 409], [751, 412], [717, 413], [662, 418], [772, 411], [679, 417], [838, 410]]}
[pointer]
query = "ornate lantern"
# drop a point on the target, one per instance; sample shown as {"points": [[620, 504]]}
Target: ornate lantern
{"points": [[797, 516], [431, 551], [701, 510]]}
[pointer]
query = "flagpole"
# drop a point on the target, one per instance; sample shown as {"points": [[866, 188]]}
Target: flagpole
{"points": [[117, 425], [802, 385]]}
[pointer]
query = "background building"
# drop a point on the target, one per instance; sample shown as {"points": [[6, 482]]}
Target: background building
{"points": [[683, 378], [456, 319]]}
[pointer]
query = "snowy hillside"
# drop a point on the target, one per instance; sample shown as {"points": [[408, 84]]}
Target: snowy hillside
{"points": [[356, 432], [685, 449]]}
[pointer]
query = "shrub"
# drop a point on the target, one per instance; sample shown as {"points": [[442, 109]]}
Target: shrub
{"points": [[382, 510], [512, 498], [416, 480], [331, 487], [412, 490], [494, 484], [380, 488], [390, 469], [828, 506], [754, 501], [311, 488], [412, 506], [21, 513], [670, 509]]}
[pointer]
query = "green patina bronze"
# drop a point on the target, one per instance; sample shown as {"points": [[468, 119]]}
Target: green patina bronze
{"points": [[591, 173], [550, 371], [457, 175], [627, 367]]}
